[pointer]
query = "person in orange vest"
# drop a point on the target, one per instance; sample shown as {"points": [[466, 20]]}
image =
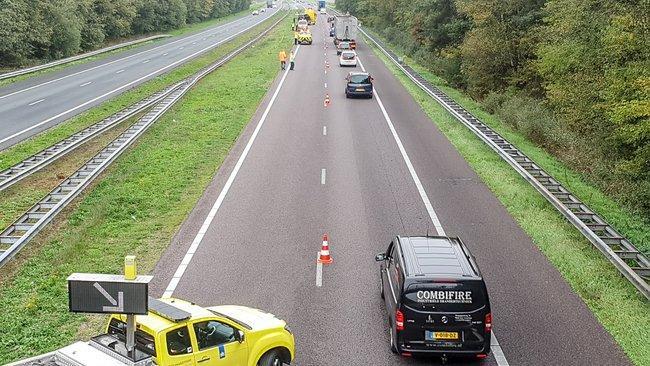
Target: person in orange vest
{"points": [[283, 59]]}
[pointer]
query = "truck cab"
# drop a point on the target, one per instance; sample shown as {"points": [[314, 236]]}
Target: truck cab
{"points": [[177, 332]]}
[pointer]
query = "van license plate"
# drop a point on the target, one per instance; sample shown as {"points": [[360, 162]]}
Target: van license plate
{"points": [[436, 336], [360, 89]]}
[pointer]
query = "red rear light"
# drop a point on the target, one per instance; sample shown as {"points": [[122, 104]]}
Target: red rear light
{"points": [[488, 322], [399, 320], [481, 356]]}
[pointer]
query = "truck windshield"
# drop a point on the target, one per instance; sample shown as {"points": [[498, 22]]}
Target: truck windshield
{"points": [[143, 341], [447, 297]]}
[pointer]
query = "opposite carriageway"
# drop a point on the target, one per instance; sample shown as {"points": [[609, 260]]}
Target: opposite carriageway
{"points": [[21, 231]]}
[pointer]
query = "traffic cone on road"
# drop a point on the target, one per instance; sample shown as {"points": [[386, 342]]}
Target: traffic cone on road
{"points": [[324, 255]]}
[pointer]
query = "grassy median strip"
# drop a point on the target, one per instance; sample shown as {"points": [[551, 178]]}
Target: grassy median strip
{"points": [[139, 204], [615, 302]]}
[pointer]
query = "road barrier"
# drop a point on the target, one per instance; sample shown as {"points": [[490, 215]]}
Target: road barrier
{"points": [[627, 259]]}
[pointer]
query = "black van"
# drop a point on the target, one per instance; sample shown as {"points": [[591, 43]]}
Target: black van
{"points": [[436, 299]]}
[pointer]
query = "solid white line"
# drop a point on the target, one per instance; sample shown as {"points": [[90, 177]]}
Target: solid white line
{"points": [[324, 130], [36, 102], [129, 83], [499, 356], [224, 191], [319, 272], [323, 176], [120, 59], [119, 71], [84, 84]]}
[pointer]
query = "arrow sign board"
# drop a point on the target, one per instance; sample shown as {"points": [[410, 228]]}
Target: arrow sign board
{"points": [[103, 293]]}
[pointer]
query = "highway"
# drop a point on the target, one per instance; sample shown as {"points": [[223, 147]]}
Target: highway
{"points": [[362, 171], [38, 103]]}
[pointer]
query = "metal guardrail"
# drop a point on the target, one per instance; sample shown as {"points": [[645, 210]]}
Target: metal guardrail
{"points": [[14, 174], [21, 231], [631, 262], [78, 57]]}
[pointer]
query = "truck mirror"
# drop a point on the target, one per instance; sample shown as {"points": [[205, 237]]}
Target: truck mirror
{"points": [[380, 257], [239, 336]]}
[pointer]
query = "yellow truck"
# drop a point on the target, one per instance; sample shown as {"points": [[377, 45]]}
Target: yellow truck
{"points": [[311, 14], [304, 37], [177, 332]]}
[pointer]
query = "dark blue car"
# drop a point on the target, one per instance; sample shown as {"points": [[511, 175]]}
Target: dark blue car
{"points": [[358, 84]]}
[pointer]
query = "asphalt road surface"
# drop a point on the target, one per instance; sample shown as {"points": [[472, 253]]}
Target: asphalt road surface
{"points": [[338, 170], [36, 104]]}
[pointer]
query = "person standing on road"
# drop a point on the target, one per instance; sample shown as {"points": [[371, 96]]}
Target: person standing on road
{"points": [[283, 59], [292, 59]]}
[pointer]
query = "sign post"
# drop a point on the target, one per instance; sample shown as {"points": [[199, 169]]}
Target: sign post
{"points": [[112, 294]]}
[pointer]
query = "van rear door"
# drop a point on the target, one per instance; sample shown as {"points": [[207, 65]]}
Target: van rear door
{"points": [[446, 315]]}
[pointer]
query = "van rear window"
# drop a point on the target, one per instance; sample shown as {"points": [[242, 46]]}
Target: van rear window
{"points": [[446, 296]]}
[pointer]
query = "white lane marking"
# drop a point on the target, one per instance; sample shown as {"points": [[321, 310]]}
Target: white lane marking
{"points": [[129, 83], [181, 47], [325, 85], [120, 59], [319, 272], [145, 61], [324, 130], [323, 176], [499, 356], [119, 71], [171, 287], [193, 42], [84, 84], [36, 102]]}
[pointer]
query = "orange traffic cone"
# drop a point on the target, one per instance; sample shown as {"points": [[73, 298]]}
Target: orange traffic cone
{"points": [[327, 100], [324, 256]]}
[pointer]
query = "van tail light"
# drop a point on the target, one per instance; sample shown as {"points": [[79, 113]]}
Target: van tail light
{"points": [[399, 320], [488, 322]]}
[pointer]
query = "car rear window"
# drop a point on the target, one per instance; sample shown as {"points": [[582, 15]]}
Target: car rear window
{"points": [[360, 79], [448, 297], [348, 55]]}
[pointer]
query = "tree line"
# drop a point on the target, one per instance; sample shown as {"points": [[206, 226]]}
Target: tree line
{"points": [[41, 30], [572, 75]]}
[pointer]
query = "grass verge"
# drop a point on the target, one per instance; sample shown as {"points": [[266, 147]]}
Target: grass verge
{"points": [[624, 313], [190, 28], [138, 205]]}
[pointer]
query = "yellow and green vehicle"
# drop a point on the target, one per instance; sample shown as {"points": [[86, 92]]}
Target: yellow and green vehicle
{"points": [[177, 332], [304, 37]]}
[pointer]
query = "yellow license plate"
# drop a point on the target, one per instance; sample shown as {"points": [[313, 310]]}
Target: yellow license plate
{"points": [[445, 335]]}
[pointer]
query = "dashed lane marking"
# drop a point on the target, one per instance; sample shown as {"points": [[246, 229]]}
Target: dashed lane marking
{"points": [[36, 102], [499, 356], [323, 176], [84, 84]]}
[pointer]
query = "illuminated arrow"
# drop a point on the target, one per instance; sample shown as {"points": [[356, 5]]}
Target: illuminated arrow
{"points": [[118, 306]]}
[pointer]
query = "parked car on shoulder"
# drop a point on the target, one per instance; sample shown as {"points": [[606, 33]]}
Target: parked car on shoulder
{"points": [[436, 298]]}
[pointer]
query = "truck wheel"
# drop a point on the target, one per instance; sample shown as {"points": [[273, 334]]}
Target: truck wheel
{"points": [[270, 358]]}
